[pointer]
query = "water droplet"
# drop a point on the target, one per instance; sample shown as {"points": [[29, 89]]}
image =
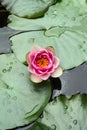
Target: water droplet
{"points": [[80, 46], [73, 18], [32, 40], [8, 96], [66, 107], [14, 98], [70, 127], [75, 122], [10, 68], [53, 126], [9, 110], [4, 70], [22, 74], [11, 63], [84, 41], [55, 12], [84, 50]]}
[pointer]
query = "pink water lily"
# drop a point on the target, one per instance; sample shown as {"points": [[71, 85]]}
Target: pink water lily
{"points": [[43, 63]]}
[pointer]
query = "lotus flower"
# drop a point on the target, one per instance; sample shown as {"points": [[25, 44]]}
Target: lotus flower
{"points": [[43, 63]]}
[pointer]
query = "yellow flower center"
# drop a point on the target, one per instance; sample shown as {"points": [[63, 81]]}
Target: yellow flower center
{"points": [[42, 61]]}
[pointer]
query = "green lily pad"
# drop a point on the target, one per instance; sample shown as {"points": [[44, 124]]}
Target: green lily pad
{"points": [[66, 114], [66, 13], [38, 126], [70, 44], [27, 8], [21, 101]]}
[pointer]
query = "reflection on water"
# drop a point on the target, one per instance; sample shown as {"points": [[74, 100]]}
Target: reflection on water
{"points": [[75, 80]]}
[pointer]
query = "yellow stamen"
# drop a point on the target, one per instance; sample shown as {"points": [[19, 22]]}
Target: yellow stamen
{"points": [[42, 62]]}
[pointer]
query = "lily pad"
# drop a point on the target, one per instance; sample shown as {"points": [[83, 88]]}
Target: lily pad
{"points": [[66, 114], [66, 13], [27, 8], [70, 44], [21, 101], [39, 126]]}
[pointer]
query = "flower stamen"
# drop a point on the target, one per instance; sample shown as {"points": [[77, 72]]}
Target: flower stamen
{"points": [[42, 62]]}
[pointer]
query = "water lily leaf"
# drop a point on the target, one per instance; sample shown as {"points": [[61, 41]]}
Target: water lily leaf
{"points": [[21, 101], [66, 114], [70, 44], [27, 8], [65, 13], [38, 126]]}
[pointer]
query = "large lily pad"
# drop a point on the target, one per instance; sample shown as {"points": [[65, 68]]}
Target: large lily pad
{"points": [[66, 114], [65, 13], [27, 8], [21, 101], [70, 44]]}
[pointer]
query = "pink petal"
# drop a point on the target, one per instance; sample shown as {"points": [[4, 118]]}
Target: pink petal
{"points": [[45, 76], [33, 53], [35, 48], [58, 72], [30, 68], [56, 62], [35, 79]]}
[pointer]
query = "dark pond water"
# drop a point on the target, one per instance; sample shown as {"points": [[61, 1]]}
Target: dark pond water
{"points": [[71, 82]]}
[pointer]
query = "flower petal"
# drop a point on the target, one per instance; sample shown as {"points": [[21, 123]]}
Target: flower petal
{"points": [[56, 62], [35, 48], [58, 72], [35, 79], [50, 48], [27, 57], [34, 51], [45, 76]]}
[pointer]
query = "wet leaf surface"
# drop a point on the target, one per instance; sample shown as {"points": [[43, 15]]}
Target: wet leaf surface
{"points": [[28, 8], [69, 44], [21, 100], [65, 13], [62, 114], [72, 81]]}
